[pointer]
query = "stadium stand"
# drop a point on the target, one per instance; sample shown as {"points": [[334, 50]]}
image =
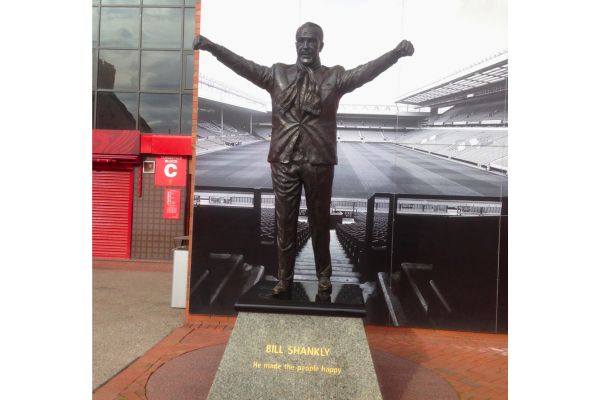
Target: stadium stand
{"points": [[350, 135], [471, 129], [262, 132], [207, 144], [479, 146], [220, 142], [217, 135], [267, 229], [352, 236], [373, 136], [486, 113], [476, 98]]}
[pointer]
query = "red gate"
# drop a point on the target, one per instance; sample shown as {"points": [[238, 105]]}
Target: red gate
{"points": [[111, 212]]}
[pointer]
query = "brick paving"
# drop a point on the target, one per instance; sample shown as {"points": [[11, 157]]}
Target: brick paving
{"points": [[475, 364], [132, 265]]}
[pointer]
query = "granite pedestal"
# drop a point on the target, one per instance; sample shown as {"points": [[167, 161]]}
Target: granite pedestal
{"points": [[305, 345]]}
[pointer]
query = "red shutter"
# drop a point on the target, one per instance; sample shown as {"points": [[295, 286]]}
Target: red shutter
{"points": [[111, 213]]}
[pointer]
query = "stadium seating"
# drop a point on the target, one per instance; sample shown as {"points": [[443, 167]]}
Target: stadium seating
{"points": [[478, 146], [487, 113], [349, 135], [267, 228], [208, 141], [372, 136], [352, 236], [207, 144], [261, 132], [215, 135], [469, 133]]}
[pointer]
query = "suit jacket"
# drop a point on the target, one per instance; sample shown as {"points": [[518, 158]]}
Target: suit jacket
{"points": [[319, 131]]}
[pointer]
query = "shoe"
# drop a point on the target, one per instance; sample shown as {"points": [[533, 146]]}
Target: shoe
{"points": [[282, 287], [323, 296], [324, 283]]}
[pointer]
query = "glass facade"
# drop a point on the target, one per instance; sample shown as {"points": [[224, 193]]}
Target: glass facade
{"points": [[118, 70], [143, 65], [161, 71], [189, 72], [116, 110], [159, 113], [120, 27], [161, 28]]}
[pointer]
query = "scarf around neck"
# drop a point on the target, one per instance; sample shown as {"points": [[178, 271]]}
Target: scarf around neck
{"points": [[303, 91]]}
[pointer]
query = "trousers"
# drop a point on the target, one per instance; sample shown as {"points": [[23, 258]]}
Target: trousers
{"points": [[288, 180]]}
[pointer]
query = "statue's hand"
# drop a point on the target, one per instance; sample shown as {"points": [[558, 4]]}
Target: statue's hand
{"points": [[405, 48], [201, 43]]}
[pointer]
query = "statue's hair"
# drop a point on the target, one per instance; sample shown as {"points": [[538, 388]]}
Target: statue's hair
{"points": [[311, 25]]}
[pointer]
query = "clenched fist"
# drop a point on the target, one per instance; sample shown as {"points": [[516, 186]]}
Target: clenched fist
{"points": [[201, 43], [405, 48]]}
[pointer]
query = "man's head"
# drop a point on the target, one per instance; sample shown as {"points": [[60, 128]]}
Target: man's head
{"points": [[309, 43]]}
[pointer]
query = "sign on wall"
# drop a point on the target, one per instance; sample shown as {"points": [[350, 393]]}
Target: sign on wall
{"points": [[171, 204], [170, 171]]}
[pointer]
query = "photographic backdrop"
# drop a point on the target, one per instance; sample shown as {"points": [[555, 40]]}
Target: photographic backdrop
{"points": [[419, 213]]}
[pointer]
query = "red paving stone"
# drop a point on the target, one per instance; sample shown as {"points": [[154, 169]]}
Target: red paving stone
{"points": [[474, 364]]}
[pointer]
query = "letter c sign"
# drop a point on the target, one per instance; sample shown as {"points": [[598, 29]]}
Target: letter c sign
{"points": [[170, 171]]}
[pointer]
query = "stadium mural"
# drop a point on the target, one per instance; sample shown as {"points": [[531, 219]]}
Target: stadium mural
{"points": [[419, 213]]}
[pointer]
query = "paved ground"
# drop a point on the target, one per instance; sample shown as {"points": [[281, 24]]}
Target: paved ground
{"points": [[474, 364], [136, 333], [131, 313]]}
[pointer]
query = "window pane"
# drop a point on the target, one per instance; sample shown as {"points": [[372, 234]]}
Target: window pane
{"points": [[118, 69], [95, 16], [120, 27], [120, 2], [161, 70], [95, 2], [94, 66], [188, 30], [190, 3], [163, 2], [159, 113], [116, 110], [186, 114], [189, 72], [161, 28]]}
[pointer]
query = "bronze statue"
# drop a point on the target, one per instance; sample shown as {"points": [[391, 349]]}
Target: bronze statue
{"points": [[303, 150]]}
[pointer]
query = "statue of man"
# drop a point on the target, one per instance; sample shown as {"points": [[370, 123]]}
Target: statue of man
{"points": [[303, 150]]}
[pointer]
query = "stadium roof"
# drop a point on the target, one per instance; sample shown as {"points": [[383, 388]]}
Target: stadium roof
{"points": [[377, 109], [483, 78], [212, 89]]}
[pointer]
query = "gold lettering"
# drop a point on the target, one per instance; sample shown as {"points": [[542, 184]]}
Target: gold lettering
{"points": [[273, 348], [306, 351], [331, 370], [272, 366]]}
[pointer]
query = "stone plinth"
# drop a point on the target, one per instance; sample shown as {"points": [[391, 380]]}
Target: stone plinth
{"points": [[306, 344]]}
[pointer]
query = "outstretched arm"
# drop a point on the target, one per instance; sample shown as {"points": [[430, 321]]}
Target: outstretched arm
{"points": [[257, 74], [362, 74]]}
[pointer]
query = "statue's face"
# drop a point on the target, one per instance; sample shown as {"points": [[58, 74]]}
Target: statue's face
{"points": [[308, 45]]}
